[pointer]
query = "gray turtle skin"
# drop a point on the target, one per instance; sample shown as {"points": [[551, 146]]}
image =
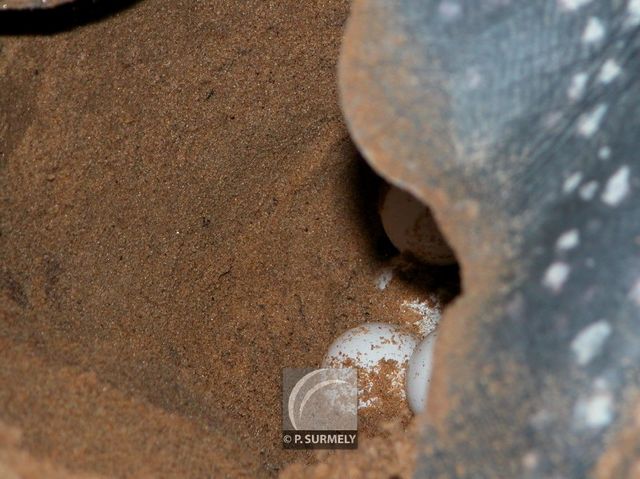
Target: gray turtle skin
{"points": [[30, 4], [518, 123]]}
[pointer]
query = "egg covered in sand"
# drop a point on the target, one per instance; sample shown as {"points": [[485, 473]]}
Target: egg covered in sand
{"points": [[419, 374], [380, 353], [412, 229]]}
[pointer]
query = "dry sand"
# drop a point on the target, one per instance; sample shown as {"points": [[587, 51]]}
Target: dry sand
{"points": [[183, 215]]}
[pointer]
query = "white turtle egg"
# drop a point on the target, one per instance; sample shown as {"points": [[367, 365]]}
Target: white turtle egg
{"points": [[412, 229], [419, 374], [380, 353]]}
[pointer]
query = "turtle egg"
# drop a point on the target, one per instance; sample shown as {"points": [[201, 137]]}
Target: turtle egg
{"points": [[412, 229], [380, 353], [419, 374]]}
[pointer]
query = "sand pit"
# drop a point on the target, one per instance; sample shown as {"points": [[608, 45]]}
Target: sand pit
{"points": [[183, 215]]}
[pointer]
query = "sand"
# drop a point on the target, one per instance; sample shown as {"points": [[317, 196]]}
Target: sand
{"points": [[183, 215]]}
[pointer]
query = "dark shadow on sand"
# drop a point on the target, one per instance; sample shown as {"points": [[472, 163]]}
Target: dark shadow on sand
{"points": [[367, 185], [49, 21]]}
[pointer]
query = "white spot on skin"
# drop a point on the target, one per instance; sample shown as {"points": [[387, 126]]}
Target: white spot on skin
{"points": [[604, 153], [617, 187], [634, 294], [384, 279], [577, 86], [588, 342], [588, 191], [530, 460], [474, 79], [555, 276], [571, 183], [633, 14], [595, 411], [572, 5], [610, 71], [593, 32], [449, 10], [541, 419], [568, 240], [589, 123]]}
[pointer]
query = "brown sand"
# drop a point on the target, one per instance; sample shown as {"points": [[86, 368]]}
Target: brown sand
{"points": [[183, 215]]}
